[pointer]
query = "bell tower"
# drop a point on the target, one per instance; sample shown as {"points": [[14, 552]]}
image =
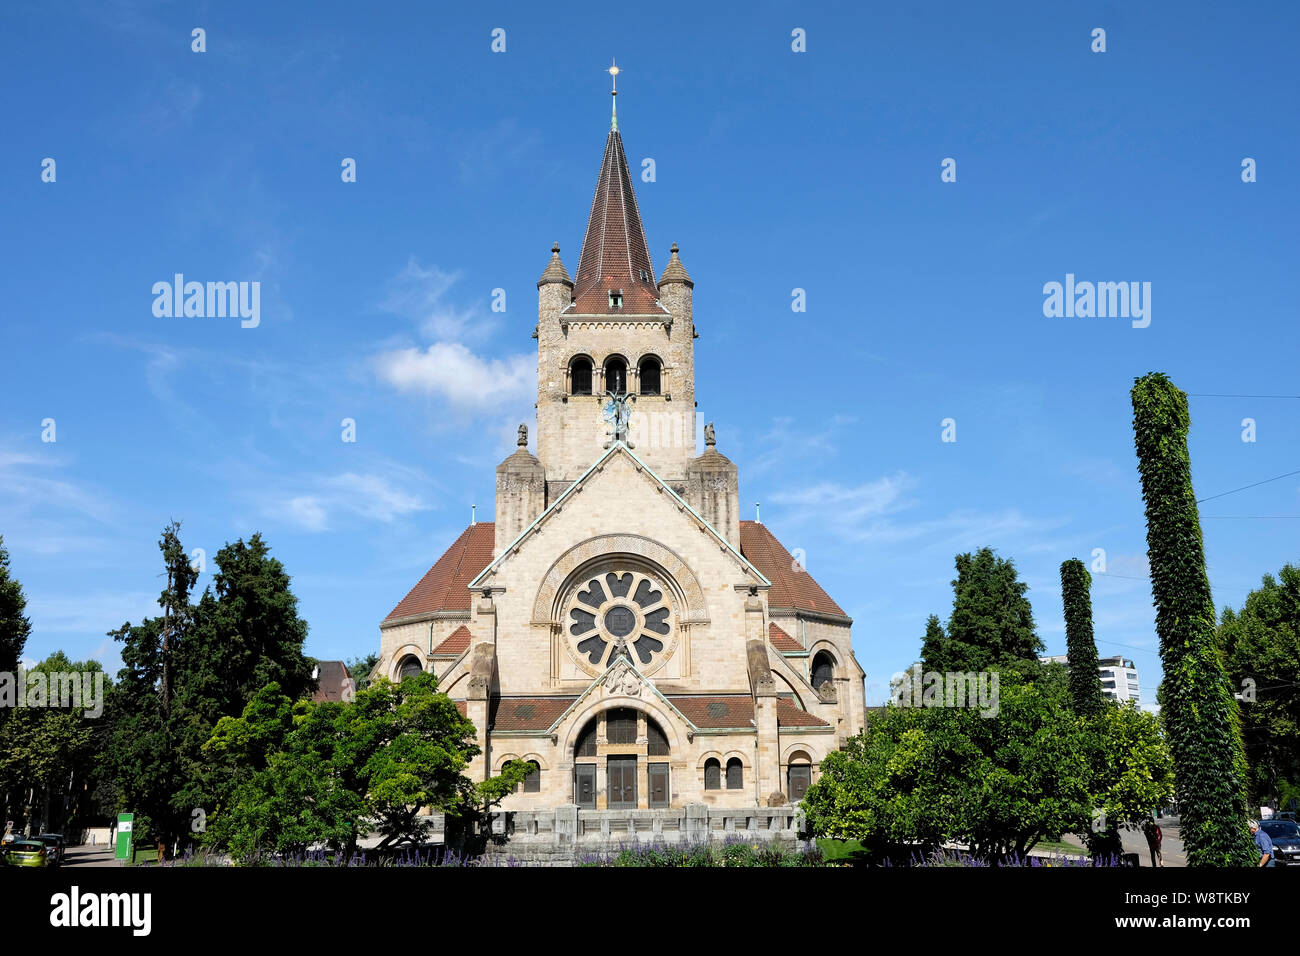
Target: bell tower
{"points": [[614, 329]]}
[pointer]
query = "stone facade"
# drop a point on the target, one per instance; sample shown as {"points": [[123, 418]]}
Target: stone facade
{"points": [[614, 625]]}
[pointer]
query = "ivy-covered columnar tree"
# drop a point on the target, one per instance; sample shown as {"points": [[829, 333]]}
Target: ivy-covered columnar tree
{"points": [[1085, 682], [1199, 711]]}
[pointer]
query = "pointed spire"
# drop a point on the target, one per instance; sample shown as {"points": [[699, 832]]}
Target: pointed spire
{"points": [[615, 276], [613, 73], [555, 271], [675, 271]]}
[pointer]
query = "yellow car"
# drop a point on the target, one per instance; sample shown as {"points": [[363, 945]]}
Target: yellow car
{"points": [[25, 853]]}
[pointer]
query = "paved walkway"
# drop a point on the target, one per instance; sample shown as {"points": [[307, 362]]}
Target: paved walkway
{"points": [[83, 856]]}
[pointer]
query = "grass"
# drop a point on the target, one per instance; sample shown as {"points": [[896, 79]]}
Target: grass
{"points": [[1054, 846]]}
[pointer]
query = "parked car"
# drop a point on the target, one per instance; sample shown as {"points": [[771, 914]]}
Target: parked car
{"points": [[1285, 835], [25, 853], [57, 847]]}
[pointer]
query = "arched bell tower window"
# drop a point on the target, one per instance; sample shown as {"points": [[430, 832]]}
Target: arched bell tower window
{"points": [[650, 375], [615, 375], [823, 669], [409, 667], [580, 376]]}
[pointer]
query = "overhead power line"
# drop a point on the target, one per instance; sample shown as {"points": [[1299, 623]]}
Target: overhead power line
{"points": [[1219, 395], [1244, 487]]}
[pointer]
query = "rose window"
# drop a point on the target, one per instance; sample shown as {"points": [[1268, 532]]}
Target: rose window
{"points": [[619, 615]]}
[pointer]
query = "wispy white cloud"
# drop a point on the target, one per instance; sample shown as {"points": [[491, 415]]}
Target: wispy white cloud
{"points": [[29, 487], [451, 371], [868, 513], [852, 504], [339, 497], [419, 293]]}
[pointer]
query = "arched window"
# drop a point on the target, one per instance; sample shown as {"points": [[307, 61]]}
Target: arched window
{"points": [[615, 375], [823, 669], [409, 667], [620, 726], [798, 776], [533, 782], [580, 377], [586, 745], [735, 774], [650, 376], [658, 740], [712, 774]]}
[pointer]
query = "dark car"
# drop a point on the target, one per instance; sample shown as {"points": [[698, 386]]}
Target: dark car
{"points": [[1285, 835], [55, 847]]}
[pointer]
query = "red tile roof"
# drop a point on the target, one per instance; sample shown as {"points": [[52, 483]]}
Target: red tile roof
{"points": [[445, 587], [789, 715], [718, 711], [462, 706], [457, 643], [614, 254], [790, 587], [782, 641], [333, 682], [527, 713]]}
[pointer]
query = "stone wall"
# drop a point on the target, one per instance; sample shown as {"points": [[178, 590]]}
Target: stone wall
{"points": [[567, 834]]}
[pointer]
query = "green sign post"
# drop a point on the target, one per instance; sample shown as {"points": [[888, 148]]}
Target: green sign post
{"points": [[123, 849]]}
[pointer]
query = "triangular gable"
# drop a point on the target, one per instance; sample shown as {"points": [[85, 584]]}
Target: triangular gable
{"points": [[621, 663], [617, 448]]}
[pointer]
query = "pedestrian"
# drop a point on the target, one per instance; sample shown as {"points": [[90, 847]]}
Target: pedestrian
{"points": [[1264, 844], [1155, 837]]}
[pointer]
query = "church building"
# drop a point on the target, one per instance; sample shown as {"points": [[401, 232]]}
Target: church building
{"points": [[618, 624]]}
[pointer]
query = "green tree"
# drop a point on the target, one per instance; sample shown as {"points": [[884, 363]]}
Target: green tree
{"points": [[14, 630], [933, 647], [189, 667], [1134, 772], [1081, 648], [925, 776], [327, 772], [1199, 712], [15, 627], [992, 623], [359, 669], [920, 777], [46, 752], [1260, 648]]}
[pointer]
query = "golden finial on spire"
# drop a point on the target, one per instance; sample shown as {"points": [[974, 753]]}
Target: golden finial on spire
{"points": [[613, 76]]}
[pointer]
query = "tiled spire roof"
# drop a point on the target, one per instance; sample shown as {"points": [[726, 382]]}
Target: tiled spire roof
{"points": [[555, 271], [675, 271], [615, 256]]}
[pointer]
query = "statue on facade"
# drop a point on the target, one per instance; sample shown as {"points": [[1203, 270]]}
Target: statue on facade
{"points": [[618, 412], [710, 439], [523, 436]]}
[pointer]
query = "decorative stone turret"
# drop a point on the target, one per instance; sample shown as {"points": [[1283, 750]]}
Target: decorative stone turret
{"points": [[676, 289], [713, 489], [521, 493]]}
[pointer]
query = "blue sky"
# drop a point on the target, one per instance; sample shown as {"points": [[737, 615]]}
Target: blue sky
{"points": [[775, 170]]}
